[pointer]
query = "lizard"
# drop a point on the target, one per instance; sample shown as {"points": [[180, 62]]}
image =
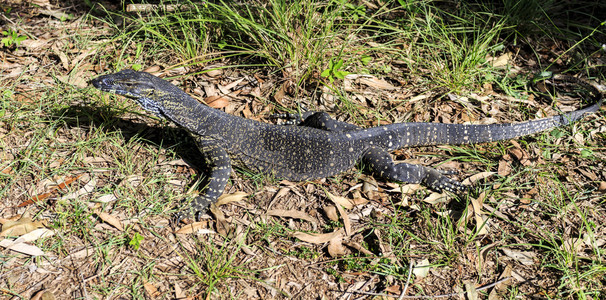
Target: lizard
{"points": [[320, 146]]}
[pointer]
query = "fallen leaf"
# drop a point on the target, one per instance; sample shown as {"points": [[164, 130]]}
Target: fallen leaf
{"points": [[331, 213], [229, 198], [43, 295], [474, 178], [502, 287], [68, 180], [347, 203], [217, 101], [335, 246], [470, 290], [477, 211], [316, 238], [524, 257], [502, 60], [342, 212], [21, 248], [20, 227], [222, 224], [435, 198], [111, 220], [295, 214], [421, 268], [150, 289], [107, 198], [197, 227], [214, 72], [35, 235], [504, 169], [371, 81], [88, 188]]}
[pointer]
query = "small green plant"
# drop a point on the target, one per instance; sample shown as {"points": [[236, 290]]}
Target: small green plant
{"points": [[365, 60], [334, 70], [355, 11], [12, 37], [135, 241], [7, 95]]}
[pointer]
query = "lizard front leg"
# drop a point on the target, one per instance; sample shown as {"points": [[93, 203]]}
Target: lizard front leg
{"points": [[219, 165]]}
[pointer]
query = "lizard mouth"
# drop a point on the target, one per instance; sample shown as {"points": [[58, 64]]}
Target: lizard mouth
{"points": [[102, 83], [107, 84]]}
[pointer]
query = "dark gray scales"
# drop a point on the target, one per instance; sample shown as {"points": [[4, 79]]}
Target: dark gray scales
{"points": [[320, 146]]}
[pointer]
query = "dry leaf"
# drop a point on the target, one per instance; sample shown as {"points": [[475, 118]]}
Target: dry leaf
{"points": [[421, 268], [229, 198], [35, 235], [524, 257], [377, 83], [107, 198], [501, 287], [477, 210], [295, 214], [20, 227], [175, 162], [435, 198], [474, 178], [470, 290], [111, 220], [179, 294], [223, 226], [150, 289], [317, 238], [217, 101], [43, 295], [197, 227], [574, 245], [407, 189], [502, 60], [344, 216], [371, 81], [233, 84], [214, 72], [504, 169], [88, 188], [335, 246], [68, 180], [331, 213], [347, 203], [21, 247]]}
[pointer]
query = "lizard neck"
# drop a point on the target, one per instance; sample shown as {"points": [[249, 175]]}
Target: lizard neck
{"points": [[196, 117]]}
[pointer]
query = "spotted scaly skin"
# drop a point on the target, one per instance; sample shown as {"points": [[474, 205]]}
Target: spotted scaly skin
{"points": [[320, 146]]}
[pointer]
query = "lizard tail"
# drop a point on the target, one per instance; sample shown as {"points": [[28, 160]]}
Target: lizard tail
{"points": [[400, 135]]}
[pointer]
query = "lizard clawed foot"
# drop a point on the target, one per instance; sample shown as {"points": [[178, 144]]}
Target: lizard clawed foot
{"points": [[184, 216], [193, 211], [437, 180], [289, 119], [292, 119]]}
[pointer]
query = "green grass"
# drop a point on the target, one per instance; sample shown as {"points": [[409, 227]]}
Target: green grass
{"points": [[51, 130]]}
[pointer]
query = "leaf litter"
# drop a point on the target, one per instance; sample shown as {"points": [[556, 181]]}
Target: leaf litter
{"points": [[74, 65]]}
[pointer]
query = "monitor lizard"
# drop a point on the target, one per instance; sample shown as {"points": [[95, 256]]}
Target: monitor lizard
{"points": [[321, 146]]}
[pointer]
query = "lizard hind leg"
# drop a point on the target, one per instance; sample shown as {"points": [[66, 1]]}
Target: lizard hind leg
{"points": [[381, 164], [319, 120]]}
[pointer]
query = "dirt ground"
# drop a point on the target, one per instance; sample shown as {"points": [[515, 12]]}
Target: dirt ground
{"points": [[104, 179]]}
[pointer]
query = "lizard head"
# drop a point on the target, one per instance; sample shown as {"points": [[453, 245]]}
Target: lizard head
{"points": [[147, 89]]}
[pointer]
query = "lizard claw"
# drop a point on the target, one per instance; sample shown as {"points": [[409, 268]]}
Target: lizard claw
{"points": [[182, 216], [437, 180], [289, 119]]}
